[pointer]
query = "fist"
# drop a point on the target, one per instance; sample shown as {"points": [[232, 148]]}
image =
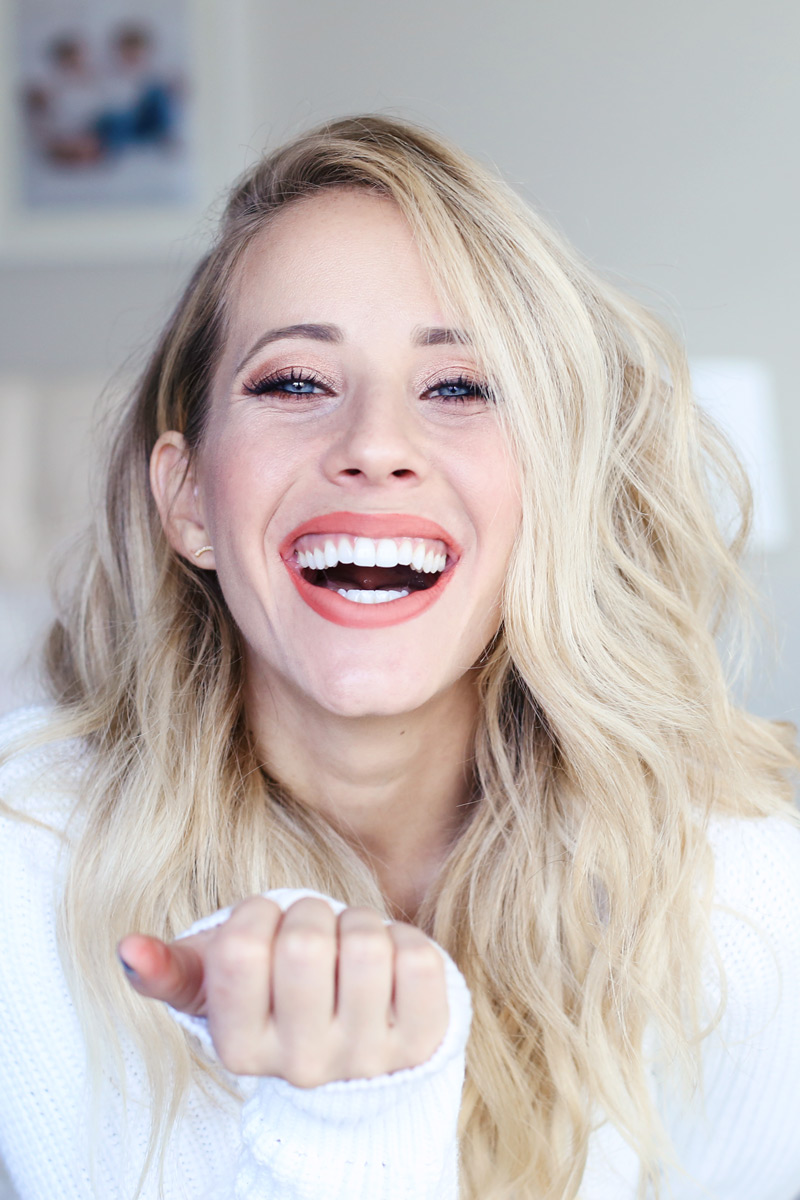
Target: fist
{"points": [[303, 995]]}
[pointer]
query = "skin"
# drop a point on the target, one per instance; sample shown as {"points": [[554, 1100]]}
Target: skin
{"points": [[373, 727]]}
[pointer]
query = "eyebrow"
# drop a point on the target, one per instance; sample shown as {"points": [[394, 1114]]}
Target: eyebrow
{"points": [[437, 336], [317, 333], [421, 336]]}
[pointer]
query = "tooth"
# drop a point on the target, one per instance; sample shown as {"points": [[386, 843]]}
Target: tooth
{"points": [[379, 596], [428, 566], [441, 562], [364, 552], [345, 550], [418, 557], [386, 553], [319, 558], [405, 552], [331, 554]]}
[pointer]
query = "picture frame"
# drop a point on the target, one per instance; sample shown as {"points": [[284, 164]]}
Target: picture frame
{"points": [[215, 137]]}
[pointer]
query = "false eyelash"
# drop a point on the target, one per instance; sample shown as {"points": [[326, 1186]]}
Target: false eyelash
{"points": [[476, 388], [268, 383]]}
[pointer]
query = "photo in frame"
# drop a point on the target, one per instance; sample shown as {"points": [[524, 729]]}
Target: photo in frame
{"points": [[120, 121]]}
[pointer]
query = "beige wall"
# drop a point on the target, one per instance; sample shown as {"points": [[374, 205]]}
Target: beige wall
{"points": [[660, 137]]}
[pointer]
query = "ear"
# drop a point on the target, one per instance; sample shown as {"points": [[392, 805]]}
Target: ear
{"points": [[176, 495]]}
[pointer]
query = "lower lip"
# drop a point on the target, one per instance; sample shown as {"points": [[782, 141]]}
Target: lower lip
{"points": [[335, 608]]}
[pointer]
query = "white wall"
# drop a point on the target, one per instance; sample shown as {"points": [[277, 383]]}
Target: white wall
{"points": [[660, 137]]}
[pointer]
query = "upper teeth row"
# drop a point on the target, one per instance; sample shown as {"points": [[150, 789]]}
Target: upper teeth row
{"points": [[319, 552]]}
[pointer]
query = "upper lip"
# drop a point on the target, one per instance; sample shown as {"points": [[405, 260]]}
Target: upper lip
{"points": [[372, 525]]}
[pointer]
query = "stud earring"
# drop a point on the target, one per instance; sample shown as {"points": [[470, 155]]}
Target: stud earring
{"points": [[202, 550]]}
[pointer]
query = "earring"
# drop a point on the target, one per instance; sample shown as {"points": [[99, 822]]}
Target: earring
{"points": [[202, 550]]}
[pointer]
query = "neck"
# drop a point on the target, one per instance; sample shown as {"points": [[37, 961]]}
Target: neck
{"points": [[398, 787]]}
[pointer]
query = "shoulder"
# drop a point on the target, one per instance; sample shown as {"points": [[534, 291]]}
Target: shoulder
{"points": [[29, 755], [736, 1136], [39, 774], [755, 914], [757, 867]]}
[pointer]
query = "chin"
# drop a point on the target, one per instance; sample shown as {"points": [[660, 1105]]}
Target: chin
{"points": [[371, 698]]}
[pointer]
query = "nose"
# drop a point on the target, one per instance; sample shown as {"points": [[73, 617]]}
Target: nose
{"points": [[379, 441]]}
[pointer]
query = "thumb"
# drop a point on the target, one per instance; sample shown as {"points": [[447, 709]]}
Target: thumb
{"points": [[173, 973]]}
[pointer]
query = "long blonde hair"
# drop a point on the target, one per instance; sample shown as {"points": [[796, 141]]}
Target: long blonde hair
{"points": [[576, 901]]}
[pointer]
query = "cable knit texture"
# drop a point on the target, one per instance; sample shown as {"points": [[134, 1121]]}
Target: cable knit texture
{"points": [[391, 1138]]}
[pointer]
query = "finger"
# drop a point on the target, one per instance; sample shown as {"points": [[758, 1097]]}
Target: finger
{"points": [[238, 968], [303, 974], [364, 978], [174, 972], [420, 993]]}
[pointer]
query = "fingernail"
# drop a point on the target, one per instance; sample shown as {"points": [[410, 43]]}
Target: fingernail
{"points": [[127, 968]]}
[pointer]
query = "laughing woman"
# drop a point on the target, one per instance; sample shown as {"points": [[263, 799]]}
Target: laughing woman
{"points": [[387, 699]]}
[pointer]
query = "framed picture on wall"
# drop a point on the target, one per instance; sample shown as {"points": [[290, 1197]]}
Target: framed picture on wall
{"points": [[120, 122]]}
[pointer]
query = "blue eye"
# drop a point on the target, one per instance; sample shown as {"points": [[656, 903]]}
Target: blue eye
{"points": [[460, 390], [293, 383]]}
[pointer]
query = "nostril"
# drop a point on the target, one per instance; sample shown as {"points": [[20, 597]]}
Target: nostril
{"points": [[402, 472]]}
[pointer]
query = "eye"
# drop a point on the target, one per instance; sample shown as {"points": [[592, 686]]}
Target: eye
{"points": [[294, 382], [460, 390]]}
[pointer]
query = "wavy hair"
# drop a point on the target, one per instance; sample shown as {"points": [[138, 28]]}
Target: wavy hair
{"points": [[576, 901]]}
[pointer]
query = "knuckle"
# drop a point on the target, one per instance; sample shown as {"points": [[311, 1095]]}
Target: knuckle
{"points": [[305, 947], [420, 960], [253, 906], [311, 907], [365, 946], [361, 917], [240, 950]]}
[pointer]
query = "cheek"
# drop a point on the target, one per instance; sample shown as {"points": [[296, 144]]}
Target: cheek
{"points": [[238, 486]]}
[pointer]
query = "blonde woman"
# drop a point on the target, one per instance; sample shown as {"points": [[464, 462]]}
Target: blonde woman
{"points": [[393, 649]]}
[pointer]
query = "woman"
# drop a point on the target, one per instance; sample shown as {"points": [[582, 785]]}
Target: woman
{"points": [[405, 592]]}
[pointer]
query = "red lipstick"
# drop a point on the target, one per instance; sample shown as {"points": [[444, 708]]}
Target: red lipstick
{"points": [[340, 611]]}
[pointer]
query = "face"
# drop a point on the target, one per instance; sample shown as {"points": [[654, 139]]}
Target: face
{"points": [[353, 479]]}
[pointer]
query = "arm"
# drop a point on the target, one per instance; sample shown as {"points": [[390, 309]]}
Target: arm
{"points": [[47, 1137], [740, 1140], [377, 1116]]}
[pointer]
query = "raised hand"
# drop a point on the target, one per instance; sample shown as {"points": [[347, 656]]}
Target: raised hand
{"points": [[303, 995]]}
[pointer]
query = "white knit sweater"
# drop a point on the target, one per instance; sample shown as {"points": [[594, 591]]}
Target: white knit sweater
{"points": [[391, 1138]]}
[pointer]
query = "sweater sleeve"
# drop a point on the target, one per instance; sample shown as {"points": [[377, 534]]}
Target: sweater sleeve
{"points": [[393, 1137], [739, 1137]]}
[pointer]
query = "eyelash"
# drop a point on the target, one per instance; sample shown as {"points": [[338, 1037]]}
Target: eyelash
{"points": [[277, 383]]}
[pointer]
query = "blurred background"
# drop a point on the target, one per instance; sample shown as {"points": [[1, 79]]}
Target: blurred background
{"points": [[661, 138]]}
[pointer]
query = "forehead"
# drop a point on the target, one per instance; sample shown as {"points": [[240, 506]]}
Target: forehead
{"points": [[340, 245], [334, 213]]}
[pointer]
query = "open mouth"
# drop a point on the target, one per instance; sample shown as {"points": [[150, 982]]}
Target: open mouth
{"points": [[368, 570]]}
